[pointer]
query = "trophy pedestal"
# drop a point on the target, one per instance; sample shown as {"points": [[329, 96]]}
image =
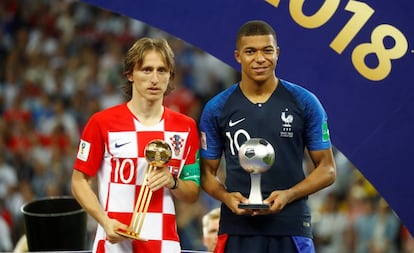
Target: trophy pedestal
{"points": [[130, 234], [254, 206], [255, 197]]}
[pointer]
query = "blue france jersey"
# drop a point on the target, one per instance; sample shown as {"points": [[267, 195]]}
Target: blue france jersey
{"points": [[290, 120]]}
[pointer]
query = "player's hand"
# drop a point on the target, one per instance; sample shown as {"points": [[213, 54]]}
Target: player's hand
{"points": [[160, 177], [277, 200], [111, 227], [233, 199]]}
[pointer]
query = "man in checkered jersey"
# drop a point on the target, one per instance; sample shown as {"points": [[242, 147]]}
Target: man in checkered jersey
{"points": [[112, 149]]}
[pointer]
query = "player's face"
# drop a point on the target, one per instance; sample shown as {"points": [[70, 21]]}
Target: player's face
{"points": [[257, 56], [150, 80], [210, 240]]}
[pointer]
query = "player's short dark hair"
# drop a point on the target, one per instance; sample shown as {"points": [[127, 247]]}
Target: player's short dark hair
{"points": [[255, 27]]}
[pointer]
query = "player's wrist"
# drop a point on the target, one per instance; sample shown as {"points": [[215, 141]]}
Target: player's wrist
{"points": [[175, 185]]}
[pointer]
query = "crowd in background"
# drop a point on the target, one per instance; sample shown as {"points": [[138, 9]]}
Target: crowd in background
{"points": [[62, 60]]}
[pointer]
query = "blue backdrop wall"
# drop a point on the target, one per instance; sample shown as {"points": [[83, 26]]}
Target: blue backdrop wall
{"points": [[357, 56]]}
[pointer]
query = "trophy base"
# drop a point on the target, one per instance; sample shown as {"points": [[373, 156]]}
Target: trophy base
{"points": [[130, 234], [254, 206]]}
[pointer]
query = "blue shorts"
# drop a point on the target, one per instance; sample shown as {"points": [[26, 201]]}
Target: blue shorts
{"points": [[265, 244]]}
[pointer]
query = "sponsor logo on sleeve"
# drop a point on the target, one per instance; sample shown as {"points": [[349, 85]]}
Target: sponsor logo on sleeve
{"points": [[203, 140], [325, 131], [83, 152]]}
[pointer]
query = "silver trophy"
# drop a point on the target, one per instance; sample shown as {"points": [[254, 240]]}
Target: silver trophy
{"points": [[256, 156]]}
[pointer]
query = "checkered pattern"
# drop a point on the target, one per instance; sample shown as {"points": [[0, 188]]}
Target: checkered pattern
{"points": [[121, 173]]}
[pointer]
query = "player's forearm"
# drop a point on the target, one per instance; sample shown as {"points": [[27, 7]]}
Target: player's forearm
{"points": [[318, 179], [209, 180], [186, 190], [214, 187], [322, 176], [84, 194]]}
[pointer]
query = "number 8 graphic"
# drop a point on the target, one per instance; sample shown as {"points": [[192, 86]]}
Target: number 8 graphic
{"points": [[384, 55]]}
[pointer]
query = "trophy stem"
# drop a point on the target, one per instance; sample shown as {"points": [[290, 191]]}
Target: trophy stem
{"points": [[142, 195], [138, 220], [255, 196], [143, 201], [141, 208]]}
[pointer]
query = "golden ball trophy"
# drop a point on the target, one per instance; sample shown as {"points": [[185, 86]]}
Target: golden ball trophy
{"points": [[157, 153]]}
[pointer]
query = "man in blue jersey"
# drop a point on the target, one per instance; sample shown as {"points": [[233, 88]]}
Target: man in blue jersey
{"points": [[292, 120]]}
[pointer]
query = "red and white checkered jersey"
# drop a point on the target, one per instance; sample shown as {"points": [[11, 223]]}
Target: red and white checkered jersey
{"points": [[112, 148]]}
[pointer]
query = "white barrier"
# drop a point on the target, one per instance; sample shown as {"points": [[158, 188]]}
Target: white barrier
{"points": [[89, 251]]}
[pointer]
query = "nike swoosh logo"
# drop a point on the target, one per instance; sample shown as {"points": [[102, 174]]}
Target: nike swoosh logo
{"points": [[232, 124], [122, 144]]}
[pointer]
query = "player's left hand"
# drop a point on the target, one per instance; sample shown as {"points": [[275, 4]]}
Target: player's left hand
{"points": [[160, 177], [277, 201]]}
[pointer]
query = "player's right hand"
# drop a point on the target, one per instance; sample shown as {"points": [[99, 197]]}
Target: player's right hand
{"points": [[110, 229], [233, 199]]}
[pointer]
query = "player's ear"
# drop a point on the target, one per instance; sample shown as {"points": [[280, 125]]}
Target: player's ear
{"points": [[129, 77], [237, 55]]}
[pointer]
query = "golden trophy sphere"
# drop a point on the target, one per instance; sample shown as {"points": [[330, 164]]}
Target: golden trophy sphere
{"points": [[158, 153]]}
